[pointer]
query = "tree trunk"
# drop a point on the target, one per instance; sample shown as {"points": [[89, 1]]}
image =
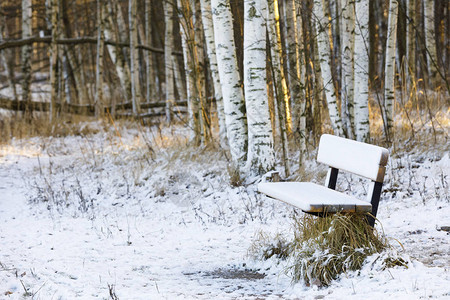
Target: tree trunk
{"points": [[211, 49], [149, 66], [134, 59], [361, 57], [8, 66], [116, 53], [193, 105], [281, 90], [411, 39], [430, 42], [347, 61], [199, 60], [322, 25], [168, 62], [27, 13], [261, 156], [233, 97], [98, 102], [389, 79], [53, 60]]}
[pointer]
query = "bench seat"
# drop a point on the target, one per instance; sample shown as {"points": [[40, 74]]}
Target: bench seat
{"points": [[311, 197]]}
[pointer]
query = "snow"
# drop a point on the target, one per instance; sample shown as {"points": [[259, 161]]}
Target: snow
{"points": [[90, 216], [312, 197], [359, 158]]}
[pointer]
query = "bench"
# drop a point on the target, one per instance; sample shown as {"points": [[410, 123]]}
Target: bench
{"points": [[338, 153]]}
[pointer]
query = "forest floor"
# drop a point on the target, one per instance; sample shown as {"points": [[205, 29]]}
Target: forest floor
{"points": [[131, 213]]}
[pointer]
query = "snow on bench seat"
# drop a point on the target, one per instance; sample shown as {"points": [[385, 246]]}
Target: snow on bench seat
{"points": [[311, 197]]}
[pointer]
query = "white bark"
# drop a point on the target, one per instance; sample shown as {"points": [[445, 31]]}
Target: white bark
{"points": [[54, 59], [99, 66], [150, 72], [233, 97], [186, 35], [281, 89], [411, 38], [135, 86], [4, 55], [323, 42], [26, 50], [168, 62], [389, 79], [261, 156], [430, 41], [116, 54], [211, 50], [347, 43], [361, 99]]}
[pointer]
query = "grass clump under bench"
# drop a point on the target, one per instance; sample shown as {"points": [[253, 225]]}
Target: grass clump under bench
{"points": [[325, 247]]}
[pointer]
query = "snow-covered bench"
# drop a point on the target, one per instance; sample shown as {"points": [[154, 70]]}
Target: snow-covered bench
{"points": [[338, 153]]}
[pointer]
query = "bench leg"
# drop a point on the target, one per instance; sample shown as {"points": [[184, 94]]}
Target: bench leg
{"points": [[374, 197]]}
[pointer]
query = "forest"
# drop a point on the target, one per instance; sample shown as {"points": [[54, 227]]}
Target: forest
{"points": [[144, 126]]}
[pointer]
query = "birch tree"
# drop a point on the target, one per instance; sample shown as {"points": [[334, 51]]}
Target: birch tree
{"points": [[134, 59], [261, 157], [389, 79], [234, 106], [99, 68], [168, 62], [323, 42], [411, 37], [115, 53], [361, 57], [193, 106], [281, 89], [347, 43], [430, 42], [211, 50], [27, 14], [54, 59], [150, 72]]}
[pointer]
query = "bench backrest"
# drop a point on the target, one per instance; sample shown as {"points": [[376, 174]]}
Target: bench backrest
{"points": [[355, 157]]}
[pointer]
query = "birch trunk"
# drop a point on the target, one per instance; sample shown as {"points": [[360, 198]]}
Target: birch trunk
{"points": [[389, 79], [430, 41], [168, 62], [149, 67], [27, 13], [299, 87], [261, 156], [361, 57], [116, 54], [348, 38], [282, 97], [193, 106], [233, 97], [199, 61], [181, 88], [323, 40], [99, 65], [211, 50], [411, 38], [54, 59], [7, 65], [134, 59]]}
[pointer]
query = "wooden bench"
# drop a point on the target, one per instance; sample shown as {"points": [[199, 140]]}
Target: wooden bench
{"points": [[338, 153]]}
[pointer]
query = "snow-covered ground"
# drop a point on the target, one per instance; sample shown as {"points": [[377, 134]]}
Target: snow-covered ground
{"points": [[103, 216]]}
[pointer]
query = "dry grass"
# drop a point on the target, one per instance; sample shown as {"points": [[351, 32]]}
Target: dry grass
{"points": [[16, 126], [324, 248]]}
